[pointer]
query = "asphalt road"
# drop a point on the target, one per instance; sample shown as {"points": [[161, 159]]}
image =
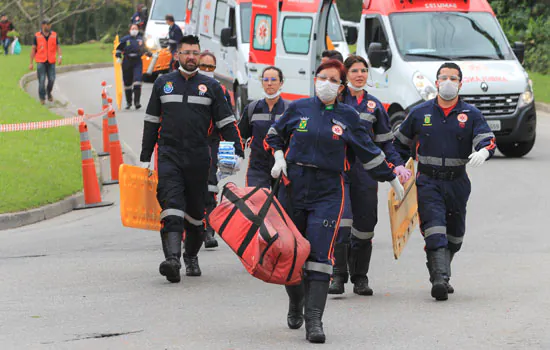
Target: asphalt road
{"points": [[82, 281]]}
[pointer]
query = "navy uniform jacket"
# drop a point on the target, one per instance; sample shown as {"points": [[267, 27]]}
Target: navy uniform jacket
{"points": [[174, 37], [214, 134], [138, 18], [444, 141], [181, 113], [256, 126], [377, 122], [324, 138], [131, 47]]}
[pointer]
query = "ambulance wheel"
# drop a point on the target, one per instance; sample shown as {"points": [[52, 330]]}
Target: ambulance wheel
{"points": [[516, 149], [150, 78], [396, 119]]}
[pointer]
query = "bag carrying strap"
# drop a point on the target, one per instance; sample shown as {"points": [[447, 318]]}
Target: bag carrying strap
{"points": [[250, 110]]}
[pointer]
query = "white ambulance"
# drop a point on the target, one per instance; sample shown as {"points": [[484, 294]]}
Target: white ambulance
{"points": [[406, 41], [290, 34]]}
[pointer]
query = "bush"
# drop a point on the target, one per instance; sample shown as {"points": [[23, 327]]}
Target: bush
{"points": [[13, 34]]}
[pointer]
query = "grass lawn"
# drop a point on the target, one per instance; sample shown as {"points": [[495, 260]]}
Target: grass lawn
{"points": [[41, 166], [541, 86]]}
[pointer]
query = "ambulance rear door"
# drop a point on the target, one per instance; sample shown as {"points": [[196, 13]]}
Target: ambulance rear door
{"points": [[263, 29], [301, 39]]}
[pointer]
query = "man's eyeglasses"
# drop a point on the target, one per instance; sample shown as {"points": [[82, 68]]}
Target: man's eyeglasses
{"points": [[323, 77], [207, 67], [190, 53], [454, 78], [272, 79], [357, 70]]}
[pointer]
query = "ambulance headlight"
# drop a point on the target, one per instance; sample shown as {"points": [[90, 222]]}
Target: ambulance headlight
{"points": [[527, 96], [150, 43], [425, 87]]}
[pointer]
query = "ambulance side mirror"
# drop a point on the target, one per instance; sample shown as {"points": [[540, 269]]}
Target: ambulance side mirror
{"points": [[351, 34], [519, 51], [227, 39], [378, 56]]}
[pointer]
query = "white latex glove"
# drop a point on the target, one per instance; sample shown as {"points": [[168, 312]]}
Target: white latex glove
{"points": [[478, 158], [402, 173], [280, 165], [119, 60], [226, 171], [398, 188]]}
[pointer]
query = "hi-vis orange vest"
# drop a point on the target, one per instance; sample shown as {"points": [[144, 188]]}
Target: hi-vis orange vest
{"points": [[46, 50]]}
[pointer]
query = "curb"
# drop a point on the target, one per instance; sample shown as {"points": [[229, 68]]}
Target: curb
{"points": [[32, 216], [543, 107]]}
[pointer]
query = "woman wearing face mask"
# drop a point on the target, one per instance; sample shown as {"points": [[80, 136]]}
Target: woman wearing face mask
{"points": [[318, 134], [256, 119], [131, 46], [207, 66], [363, 188]]}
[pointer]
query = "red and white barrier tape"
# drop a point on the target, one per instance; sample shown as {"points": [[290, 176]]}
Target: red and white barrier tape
{"points": [[47, 124]]}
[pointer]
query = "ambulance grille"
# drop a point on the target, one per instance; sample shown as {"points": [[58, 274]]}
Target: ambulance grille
{"points": [[493, 105]]}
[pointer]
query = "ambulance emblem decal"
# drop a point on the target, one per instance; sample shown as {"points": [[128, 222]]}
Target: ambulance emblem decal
{"points": [[337, 130], [168, 87], [463, 118], [202, 89]]}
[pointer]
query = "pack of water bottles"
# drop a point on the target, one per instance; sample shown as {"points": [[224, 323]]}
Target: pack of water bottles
{"points": [[227, 160]]}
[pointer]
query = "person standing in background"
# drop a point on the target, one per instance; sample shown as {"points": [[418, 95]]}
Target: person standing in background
{"points": [[45, 49]]}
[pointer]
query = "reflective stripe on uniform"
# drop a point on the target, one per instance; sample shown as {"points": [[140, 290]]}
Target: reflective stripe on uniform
{"points": [[152, 118], [278, 116], [362, 234], [200, 100], [346, 222], [379, 159], [315, 266], [225, 121], [404, 139], [368, 117], [481, 137], [193, 221], [172, 212], [272, 131], [383, 137], [128, 87], [137, 83], [454, 239], [213, 188], [171, 98], [260, 117], [172, 41], [435, 230], [430, 160], [455, 161]]}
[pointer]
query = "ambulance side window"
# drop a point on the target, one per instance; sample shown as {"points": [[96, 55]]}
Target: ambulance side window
{"points": [[374, 32], [232, 22], [262, 32], [297, 34], [219, 21]]}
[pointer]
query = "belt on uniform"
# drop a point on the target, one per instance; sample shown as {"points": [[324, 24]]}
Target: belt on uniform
{"points": [[442, 174]]}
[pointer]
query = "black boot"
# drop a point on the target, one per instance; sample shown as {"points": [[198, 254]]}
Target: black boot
{"points": [[450, 256], [359, 261], [128, 93], [137, 96], [209, 239], [171, 245], [437, 265], [194, 236], [296, 300], [316, 298], [340, 271]]}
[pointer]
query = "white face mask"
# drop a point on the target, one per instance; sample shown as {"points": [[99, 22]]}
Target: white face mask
{"points": [[448, 90], [208, 74], [271, 97], [134, 32], [186, 71], [326, 91], [350, 85]]}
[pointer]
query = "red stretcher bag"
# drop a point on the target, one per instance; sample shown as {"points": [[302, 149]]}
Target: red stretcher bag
{"points": [[256, 227]]}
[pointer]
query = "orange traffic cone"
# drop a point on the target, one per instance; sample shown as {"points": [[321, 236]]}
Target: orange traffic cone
{"points": [[114, 148], [105, 124], [92, 195]]}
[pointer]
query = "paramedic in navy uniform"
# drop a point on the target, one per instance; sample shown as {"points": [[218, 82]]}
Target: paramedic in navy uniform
{"points": [[183, 109], [318, 134], [447, 129]]}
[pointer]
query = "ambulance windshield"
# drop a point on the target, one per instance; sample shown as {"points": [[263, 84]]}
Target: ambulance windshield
{"points": [[175, 8], [449, 36], [334, 27]]}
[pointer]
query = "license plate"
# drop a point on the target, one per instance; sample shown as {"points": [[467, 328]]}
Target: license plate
{"points": [[494, 125]]}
